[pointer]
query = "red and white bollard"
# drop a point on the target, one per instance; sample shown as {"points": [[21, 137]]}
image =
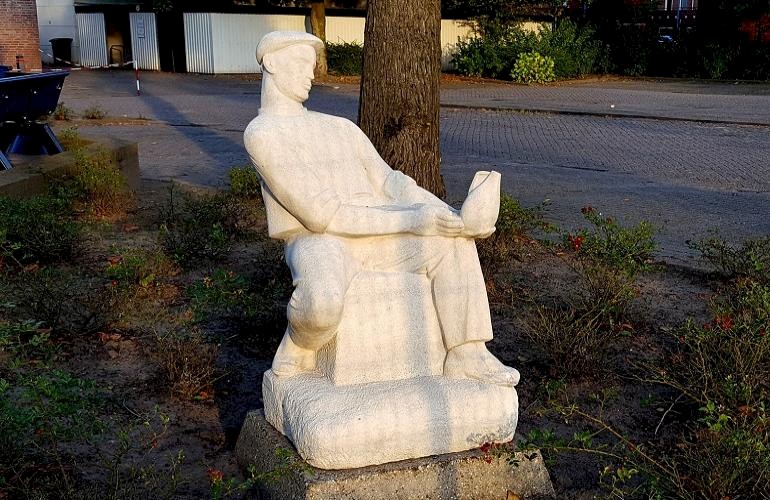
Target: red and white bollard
{"points": [[136, 74]]}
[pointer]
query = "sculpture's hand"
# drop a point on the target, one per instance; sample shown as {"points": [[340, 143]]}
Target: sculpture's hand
{"points": [[432, 220], [478, 235]]}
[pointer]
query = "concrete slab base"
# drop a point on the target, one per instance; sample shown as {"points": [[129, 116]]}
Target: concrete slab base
{"points": [[32, 174], [465, 475]]}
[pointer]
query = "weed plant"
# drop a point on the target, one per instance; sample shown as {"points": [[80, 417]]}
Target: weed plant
{"points": [[139, 267], [255, 305], [65, 300], [197, 228], [39, 412], [575, 336], [63, 112], [245, 182], [188, 363], [94, 113], [100, 185], [26, 341], [70, 139], [575, 332], [722, 447]]}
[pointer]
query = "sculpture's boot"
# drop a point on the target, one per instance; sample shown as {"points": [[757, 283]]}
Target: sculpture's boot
{"points": [[291, 359], [472, 360]]}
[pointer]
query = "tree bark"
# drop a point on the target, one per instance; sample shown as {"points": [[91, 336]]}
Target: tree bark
{"points": [[318, 27], [399, 105]]}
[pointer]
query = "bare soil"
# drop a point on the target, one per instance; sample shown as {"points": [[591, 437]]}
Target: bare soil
{"points": [[125, 363]]}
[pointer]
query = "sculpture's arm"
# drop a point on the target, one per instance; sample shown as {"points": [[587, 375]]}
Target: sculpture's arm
{"points": [[396, 185], [318, 208], [419, 219]]}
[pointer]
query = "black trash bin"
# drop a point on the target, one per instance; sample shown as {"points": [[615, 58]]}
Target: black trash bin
{"points": [[62, 51]]}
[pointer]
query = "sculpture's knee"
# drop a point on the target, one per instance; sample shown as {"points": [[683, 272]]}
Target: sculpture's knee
{"points": [[314, 314]]}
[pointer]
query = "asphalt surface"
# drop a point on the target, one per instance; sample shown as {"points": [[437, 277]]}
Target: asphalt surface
{"points": [[690, 157]]}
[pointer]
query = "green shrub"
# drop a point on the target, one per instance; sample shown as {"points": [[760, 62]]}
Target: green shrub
{"points": [[749, 260], [37, 229], [344, 58], [245, 182], [494, 52], [574, 49], [532, 67], [629, 249]]}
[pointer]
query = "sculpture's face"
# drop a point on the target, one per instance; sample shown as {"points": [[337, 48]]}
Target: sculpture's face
{"points": [[293, 71]]}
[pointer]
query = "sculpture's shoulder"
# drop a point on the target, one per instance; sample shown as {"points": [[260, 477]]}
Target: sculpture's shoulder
{"points": [[262, 128], [336, 125]]}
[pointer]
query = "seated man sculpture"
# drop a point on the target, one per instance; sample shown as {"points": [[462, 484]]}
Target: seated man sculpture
{"points": [[342, 211]]}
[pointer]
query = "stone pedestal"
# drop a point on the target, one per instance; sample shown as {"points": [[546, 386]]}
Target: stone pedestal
{"points": [[379, 394], [468, 475], [337, 427]]}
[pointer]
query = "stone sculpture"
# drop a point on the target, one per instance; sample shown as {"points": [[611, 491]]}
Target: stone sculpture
{"points": [[384, 357]]}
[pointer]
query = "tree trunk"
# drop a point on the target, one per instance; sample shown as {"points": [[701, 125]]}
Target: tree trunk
{"points": [[399, 105], [318, 26]]}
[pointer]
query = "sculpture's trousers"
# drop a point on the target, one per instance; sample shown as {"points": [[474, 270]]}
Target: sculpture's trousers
{"points": [[323, 266]]}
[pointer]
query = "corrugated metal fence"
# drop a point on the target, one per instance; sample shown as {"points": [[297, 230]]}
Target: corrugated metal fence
{"points": [[226, 43], [144, 40], [199, 52], [93, 40]]}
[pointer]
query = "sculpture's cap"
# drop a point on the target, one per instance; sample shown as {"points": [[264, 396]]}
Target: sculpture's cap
{"points": [[276, 40]]}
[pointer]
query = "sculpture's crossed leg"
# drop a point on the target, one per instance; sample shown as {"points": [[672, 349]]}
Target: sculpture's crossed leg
{"points": [[323, 267]]}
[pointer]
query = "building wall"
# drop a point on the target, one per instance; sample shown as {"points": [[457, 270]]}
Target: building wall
{"points": [[226, 43], [18, 34], [56, 19]]}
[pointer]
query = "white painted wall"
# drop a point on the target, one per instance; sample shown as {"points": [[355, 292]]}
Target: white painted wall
{"points": [[233, 38], [56, 19]]}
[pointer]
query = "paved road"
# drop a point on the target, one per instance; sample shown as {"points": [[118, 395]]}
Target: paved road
{"points": [[676, 153]]}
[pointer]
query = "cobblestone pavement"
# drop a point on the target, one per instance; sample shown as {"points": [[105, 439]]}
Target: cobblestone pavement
{"points": [[649, 157]]}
